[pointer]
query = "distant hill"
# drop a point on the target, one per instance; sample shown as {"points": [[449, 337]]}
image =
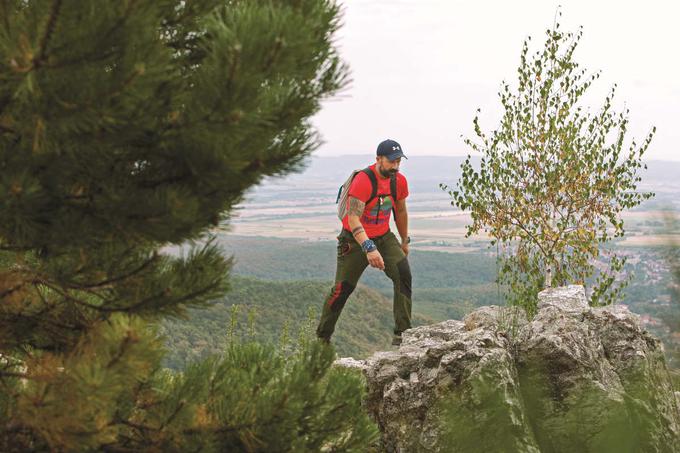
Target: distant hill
{"points": [[365, 325], [424, 173]]}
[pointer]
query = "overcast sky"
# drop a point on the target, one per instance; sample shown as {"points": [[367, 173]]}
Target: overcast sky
{"points": [[421, 68]]}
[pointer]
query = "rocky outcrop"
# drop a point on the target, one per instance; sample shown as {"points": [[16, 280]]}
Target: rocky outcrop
{"points": [[574, 379]]}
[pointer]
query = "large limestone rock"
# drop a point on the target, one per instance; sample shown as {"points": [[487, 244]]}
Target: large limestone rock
{"points": [[574, 379]]}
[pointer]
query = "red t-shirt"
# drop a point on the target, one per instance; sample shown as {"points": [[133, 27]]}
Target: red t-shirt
{"points": [[376, 216]]}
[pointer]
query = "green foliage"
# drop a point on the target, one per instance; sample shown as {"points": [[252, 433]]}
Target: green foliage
{"points": [[254, 399], [484, 416], [553, 178], [291, 259], [447, 285], [126, 126], [672, 316], [544, 415], [273, 312], [68, 400]]}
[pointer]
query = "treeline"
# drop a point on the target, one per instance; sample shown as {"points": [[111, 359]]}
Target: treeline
{"points": [[450, 285], [294, 259], [277, 313]]}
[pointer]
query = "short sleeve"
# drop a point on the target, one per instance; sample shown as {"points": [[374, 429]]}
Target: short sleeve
{"points": [[360, 187], [402, 187]]}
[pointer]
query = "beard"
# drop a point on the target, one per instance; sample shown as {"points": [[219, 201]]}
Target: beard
{"points": [[387, 173]]}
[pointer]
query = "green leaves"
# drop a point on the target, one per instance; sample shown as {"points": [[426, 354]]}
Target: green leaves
{"points": [[553, 178]]}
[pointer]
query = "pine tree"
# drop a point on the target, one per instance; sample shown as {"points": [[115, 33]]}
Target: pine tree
{"points": [[127, 126]]}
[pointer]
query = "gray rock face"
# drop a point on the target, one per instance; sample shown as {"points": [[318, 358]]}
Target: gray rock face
{"points": [[574, 379]]}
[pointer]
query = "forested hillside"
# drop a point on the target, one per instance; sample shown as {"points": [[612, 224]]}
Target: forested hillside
{"points": [[445, 285], [449, 285], [269, 311]]}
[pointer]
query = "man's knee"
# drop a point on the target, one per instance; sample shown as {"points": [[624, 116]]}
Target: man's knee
{"points": [[339, 295], [404, 277]]}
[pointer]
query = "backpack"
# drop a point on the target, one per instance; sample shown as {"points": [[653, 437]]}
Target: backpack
{"points": [[343, 191]]}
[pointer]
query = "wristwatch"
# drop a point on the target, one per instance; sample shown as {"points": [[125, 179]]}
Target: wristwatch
{"points": [[407, 241], [368, 246]]}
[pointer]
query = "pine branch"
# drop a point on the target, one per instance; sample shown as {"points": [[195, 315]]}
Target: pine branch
{"points": [[5, 16], [152, 117], [67, 296], [14, 374], [172, 416], [160, 295], [136, 426], [109, 282], [12, 289], [97, 54], [49, 29], [121, 351]]}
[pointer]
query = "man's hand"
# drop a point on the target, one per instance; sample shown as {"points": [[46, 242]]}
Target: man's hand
{"points": [[375, 259], [404, 247]]}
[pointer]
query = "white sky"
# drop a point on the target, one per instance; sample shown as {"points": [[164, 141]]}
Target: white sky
{"points": [[421, 68]]}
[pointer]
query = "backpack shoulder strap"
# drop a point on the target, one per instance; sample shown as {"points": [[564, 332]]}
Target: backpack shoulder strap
{"points": [[337, 200], [393, 192], [374, 183], [345, 186], [393, 187]]}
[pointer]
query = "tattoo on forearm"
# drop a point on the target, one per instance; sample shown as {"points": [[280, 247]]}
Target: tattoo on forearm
{"points": [[356, 207], [357, 230]]}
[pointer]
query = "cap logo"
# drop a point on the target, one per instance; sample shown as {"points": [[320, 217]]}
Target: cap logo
{"points": [[395, 148]]}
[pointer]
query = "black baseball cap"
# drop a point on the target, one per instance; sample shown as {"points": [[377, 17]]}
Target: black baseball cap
{"points": [[390, 149]]}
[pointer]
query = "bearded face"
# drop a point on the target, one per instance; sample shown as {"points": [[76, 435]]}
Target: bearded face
{"points": [[386, 167]]}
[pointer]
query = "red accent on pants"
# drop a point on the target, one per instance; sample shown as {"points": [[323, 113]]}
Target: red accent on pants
{"points": [[336, 294]]}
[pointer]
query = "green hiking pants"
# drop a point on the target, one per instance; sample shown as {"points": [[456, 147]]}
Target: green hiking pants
{"points": [[351, 264]]}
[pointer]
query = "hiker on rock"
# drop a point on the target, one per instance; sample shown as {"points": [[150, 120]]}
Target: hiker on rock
{"points": [[366, 202]]}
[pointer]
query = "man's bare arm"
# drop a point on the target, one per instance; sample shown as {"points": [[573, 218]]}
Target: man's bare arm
{"points": [[355, 211], [401, 219]]}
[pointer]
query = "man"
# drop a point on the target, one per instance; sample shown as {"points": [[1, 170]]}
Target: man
{"points": [[366, 239]]}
